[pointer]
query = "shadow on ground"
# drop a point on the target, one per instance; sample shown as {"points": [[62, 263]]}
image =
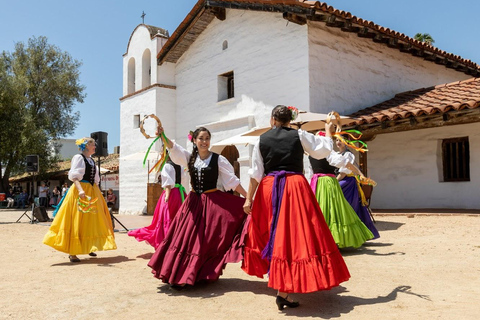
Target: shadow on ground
{"points": [[101, 262], [325, 304]]}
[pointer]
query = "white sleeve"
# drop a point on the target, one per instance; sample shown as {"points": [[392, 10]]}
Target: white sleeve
{"points": [[257, 170], [179, 155], [337, 160], [316, 146], [168, 175], [77, 168], [226, 174], [350, 157], [97, 174]]}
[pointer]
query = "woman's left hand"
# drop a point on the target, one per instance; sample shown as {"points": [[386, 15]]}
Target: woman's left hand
{"points": [[247, 206]]}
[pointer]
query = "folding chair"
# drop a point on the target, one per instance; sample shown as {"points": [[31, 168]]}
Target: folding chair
{"points": [[367, 191]]}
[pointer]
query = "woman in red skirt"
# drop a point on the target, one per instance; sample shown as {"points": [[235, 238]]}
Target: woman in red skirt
{"points": [[287, 236]]}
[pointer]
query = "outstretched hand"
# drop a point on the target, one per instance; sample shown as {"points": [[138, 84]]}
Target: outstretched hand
{"points": [[329, 127], [159, 131]]}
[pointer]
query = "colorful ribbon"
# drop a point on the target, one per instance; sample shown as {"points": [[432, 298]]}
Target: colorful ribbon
{"points": [[182, 191], [158, 166], [355, 139]]}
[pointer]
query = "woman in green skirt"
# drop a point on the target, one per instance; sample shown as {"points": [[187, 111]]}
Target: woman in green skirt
{"points": [[346, 227]]}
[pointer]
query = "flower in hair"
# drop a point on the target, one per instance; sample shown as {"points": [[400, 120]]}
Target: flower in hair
{"points": [[190, 136], [294, 112], [81, 143]]}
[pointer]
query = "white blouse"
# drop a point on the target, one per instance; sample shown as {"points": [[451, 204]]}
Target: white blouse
{"points": [[168, 176], [226, 173], [317, 146], [77, 169], [350, 158]]}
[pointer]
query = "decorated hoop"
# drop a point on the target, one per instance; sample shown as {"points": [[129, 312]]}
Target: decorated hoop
{"points": [[142, 130], [336, 120]]}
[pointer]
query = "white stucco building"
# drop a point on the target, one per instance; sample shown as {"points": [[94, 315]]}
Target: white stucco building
{"points": [[230, 62]]}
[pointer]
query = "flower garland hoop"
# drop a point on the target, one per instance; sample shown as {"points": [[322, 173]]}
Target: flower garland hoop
{"points": [[163, 159], [335, 121], [142, 130]]}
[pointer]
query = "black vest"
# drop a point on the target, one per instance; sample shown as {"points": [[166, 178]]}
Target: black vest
{"points": [[321, 166], [178, 172], [90, 171], [208, 176], [281, 149]]}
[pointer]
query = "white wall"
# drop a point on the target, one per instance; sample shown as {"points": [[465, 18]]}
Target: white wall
{"points": [[407, 168], [269, 58], [349, 73]]}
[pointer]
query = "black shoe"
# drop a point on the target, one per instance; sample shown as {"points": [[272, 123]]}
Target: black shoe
{"points": [[73, 259], [177, 287], [92, 254], [282, 302]]}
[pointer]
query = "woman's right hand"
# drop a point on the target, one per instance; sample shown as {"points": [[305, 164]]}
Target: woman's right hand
{"points": [[82, 194]]}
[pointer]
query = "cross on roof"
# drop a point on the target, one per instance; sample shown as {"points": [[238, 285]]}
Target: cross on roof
{"points": [[143, 17]]}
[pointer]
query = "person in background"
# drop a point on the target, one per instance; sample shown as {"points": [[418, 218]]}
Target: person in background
{"points": [[22, 200], [10, 198], [42, 194]]}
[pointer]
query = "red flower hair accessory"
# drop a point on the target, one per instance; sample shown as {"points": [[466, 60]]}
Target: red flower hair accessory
{"points": [[321, 133], [190, 136], [294, 112]]}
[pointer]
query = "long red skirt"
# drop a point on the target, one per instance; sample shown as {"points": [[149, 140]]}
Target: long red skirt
{"points": [[204, 236], [305, 257]]}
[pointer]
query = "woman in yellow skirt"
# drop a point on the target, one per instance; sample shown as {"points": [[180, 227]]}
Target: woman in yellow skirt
{"points": [[82, 224]]}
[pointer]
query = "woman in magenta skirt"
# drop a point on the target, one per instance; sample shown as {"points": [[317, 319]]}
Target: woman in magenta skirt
{"points": [[167, 206]]}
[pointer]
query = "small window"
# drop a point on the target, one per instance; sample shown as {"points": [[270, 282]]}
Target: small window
{"points": [[226, 88], [225, 45], [136, 121], [456, 159]]}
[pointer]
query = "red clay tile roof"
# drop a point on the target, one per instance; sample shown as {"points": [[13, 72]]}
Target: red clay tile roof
{"points": [[453, 96], [300, 11]]}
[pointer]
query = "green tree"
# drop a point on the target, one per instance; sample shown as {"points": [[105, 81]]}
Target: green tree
{"points": [[39, 86], [424, 37]]}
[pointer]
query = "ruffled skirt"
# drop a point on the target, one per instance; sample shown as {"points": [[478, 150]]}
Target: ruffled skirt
{"points": [[350, 191], [162, 217], [89, 229], [305, 257], [346, 227], [204, 236]]}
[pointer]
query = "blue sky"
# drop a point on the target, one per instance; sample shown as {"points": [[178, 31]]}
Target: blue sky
{"points": [[96, 32]]}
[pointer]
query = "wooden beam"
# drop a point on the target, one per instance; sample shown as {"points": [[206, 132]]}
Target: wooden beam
{"points": [[365, 33], [219, 13], [317, 17], [295, 18], [348, 27]]}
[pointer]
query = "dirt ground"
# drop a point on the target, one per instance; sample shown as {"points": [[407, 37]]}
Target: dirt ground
{"points": [[422, 267]]}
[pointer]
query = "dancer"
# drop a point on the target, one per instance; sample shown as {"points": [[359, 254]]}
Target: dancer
{"points": [[352, 190], [167, 206], [287, 236], [346, 227], [82, 224], [205, 234]]}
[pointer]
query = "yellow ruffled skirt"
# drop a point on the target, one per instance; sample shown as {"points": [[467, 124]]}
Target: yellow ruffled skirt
{"points": [[82, 226]]}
